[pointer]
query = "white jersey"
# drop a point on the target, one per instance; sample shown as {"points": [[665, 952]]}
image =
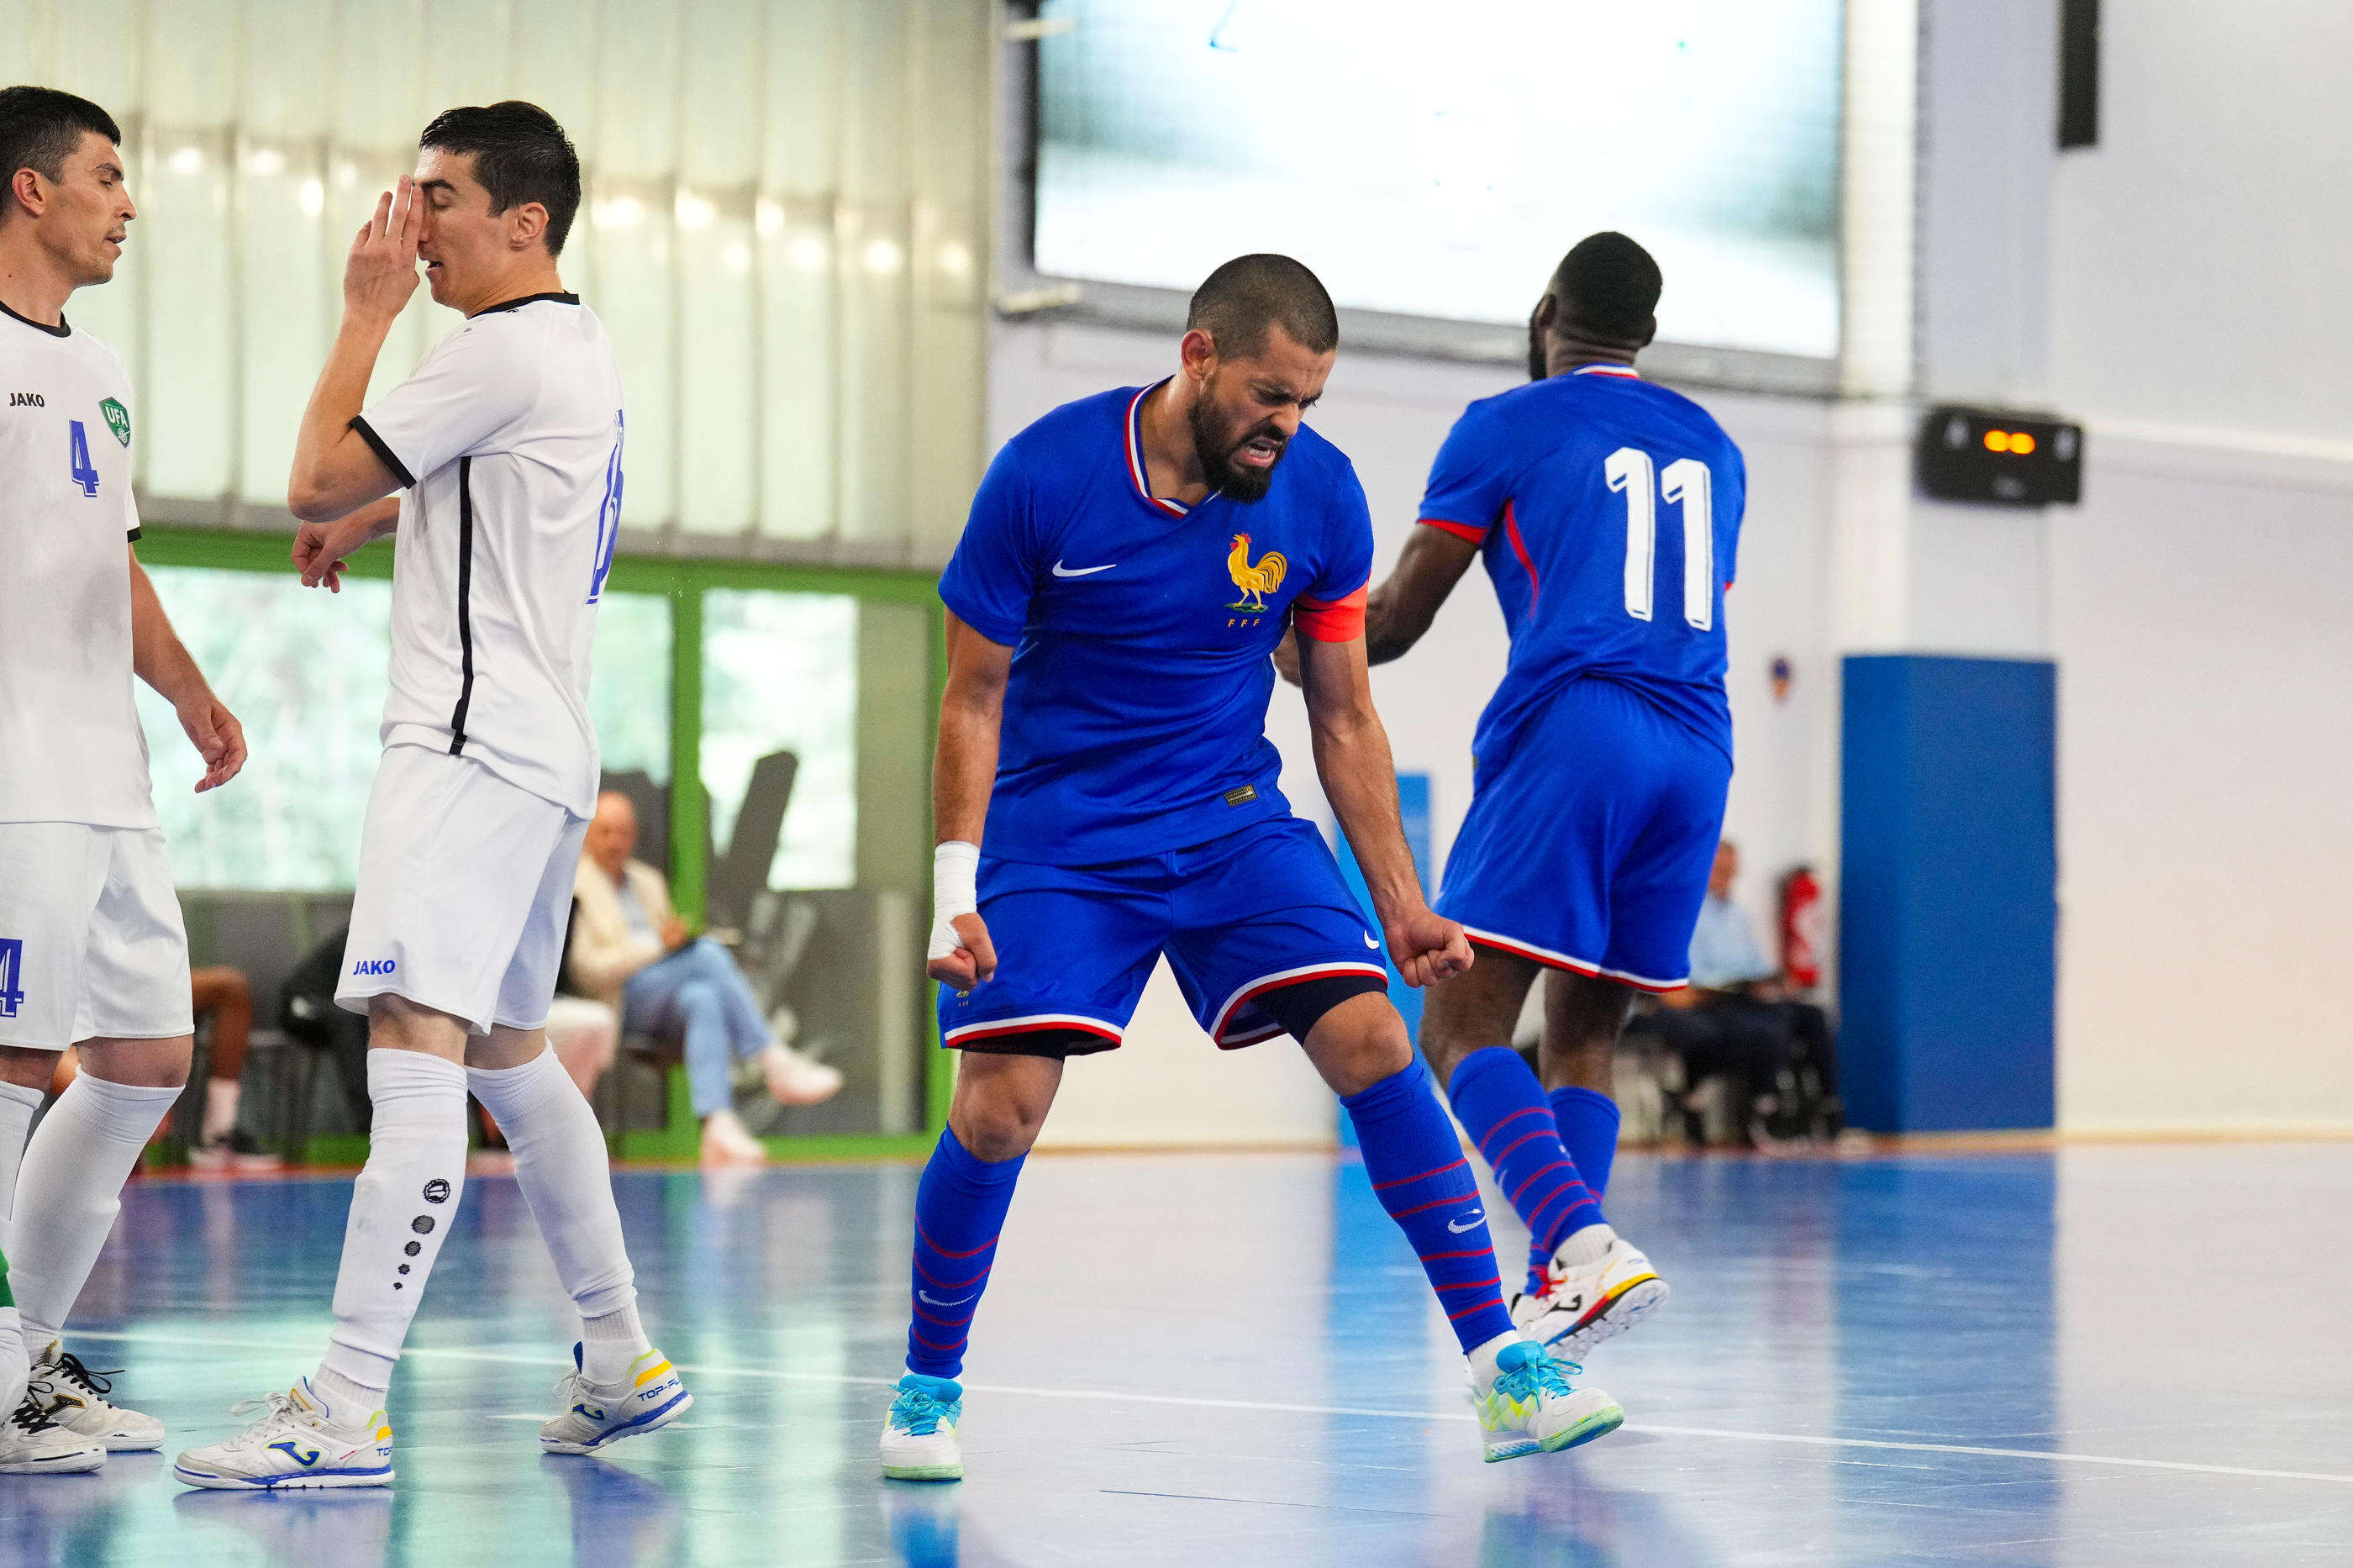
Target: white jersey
{"points": [[508, 441], [70, 748]]}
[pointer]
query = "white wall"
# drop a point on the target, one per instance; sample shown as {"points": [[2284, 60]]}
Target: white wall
{"points": [[1170, 1085], [2198, 259], [2197, 598]]}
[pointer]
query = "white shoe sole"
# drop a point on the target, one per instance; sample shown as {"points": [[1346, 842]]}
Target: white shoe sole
{"points": [[117, 1443], [79, 1462], [1612, 1318], [300, 1481], [954, 1472], [637, 1428]]}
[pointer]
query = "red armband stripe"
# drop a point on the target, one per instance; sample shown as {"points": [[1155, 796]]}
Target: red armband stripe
{"points": [[1459, 530], [1337, 620]]}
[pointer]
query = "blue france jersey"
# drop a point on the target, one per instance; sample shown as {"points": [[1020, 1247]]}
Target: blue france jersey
{"points": [[1135, 715], [1608, 509]]}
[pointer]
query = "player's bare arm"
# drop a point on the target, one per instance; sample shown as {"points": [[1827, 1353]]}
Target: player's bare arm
{"points": [[1351, 758], [1402, 608], [964, 768], [336, 471], [164, 662], [322, 549]]}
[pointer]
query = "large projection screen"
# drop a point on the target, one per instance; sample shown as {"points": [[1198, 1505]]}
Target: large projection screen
{"points": [[1434, 160]]}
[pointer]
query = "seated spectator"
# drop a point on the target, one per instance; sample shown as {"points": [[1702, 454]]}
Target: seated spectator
{"points": [[223, 1005], [630, 949], [584, 1035], [225, 997], [1738, 1019]]}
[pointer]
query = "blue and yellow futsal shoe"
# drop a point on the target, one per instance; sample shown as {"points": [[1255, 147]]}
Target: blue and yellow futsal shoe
{"points": [[299, 1441], [919, 1435], [1532, 1407], [654, 1396]]}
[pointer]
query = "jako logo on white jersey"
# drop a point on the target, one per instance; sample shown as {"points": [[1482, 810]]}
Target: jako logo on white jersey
{"points": [[376, 966]]}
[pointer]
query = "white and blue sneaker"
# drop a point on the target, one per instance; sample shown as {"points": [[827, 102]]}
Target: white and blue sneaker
{"points": [[300, 1442], [919, 1435], [1532, 1407], [594, 1415]]}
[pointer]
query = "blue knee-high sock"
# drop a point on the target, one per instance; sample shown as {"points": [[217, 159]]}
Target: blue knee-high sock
{"points": [[1504, 1109], [959, 1209], [1589, 1128], [1425, 1183]]}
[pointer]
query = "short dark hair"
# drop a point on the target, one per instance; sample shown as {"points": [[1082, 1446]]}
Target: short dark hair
{"points": [[40, 127], [520, 154], [1607, 286], [1238, 302]]}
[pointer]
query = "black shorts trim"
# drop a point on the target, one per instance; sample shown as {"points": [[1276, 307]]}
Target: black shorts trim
{"points": [[1060, 1043], [1296, 1008]]}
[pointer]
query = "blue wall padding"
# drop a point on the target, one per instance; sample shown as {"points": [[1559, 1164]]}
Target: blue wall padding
{"points": [[1949, 893]]}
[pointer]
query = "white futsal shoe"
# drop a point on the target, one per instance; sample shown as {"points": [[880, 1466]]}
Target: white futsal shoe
{"points": [[76, 1399], [653, 1396], [299, 1441], [1603, 1292], [1532, 1407], [33, 1444], [919, 1434], [798, 1080]]}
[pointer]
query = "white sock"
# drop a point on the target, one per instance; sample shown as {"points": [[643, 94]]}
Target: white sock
{"points": [[348, 1403], [1482, 1358], [566, 1178], [18, 1107], [69, 1190], [1584, 1249], [402, 1204], [610, 1345], [220, 1109]]}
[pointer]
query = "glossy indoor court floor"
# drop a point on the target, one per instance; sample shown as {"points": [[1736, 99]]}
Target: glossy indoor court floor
{"points": [[2109, 1356]]}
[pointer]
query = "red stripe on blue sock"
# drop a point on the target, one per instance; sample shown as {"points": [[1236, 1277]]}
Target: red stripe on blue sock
{"points": [[1493, 1090], [1419, 1176]]}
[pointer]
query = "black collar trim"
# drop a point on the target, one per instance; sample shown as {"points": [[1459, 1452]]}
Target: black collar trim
{"points": [[64, 328], [526, 300]]}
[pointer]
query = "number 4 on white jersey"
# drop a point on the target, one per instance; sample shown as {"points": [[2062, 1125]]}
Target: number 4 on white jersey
{"points": [[1687, 480]]}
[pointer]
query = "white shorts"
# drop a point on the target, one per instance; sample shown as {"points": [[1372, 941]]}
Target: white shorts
{"points": [[90, 939], [465, 892]]}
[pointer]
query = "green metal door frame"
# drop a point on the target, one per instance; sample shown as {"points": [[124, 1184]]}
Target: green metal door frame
{"points": [[684, 583]]}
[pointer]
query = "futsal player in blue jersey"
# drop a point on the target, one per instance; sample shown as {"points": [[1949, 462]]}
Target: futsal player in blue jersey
{"points": [[1607, 510], [1105, 794]]}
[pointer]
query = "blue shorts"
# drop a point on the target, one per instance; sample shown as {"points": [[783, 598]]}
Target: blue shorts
{"points": [[1259, 911], [1588, 846]]}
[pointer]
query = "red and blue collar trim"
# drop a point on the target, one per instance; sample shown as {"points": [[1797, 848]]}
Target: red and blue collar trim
{"points": [[1160, 504], [1621, 372]]}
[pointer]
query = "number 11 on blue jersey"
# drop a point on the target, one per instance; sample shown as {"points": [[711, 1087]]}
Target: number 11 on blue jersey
{"points": [[84, 471]]}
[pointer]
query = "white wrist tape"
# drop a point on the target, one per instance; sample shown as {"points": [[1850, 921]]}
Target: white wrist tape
{"points": [[955, 875]]}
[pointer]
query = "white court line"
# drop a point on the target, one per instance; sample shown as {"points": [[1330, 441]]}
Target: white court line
{"points": [[773, 1375]]}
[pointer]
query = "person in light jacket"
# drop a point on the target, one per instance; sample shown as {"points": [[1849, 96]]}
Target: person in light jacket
{"points": [[629, 948]]}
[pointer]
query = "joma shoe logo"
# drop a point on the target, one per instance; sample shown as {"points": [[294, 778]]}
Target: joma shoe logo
{"points": [[376, 966]]}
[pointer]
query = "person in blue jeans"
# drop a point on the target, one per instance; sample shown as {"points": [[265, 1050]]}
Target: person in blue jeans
{"points": [[630, 949]]}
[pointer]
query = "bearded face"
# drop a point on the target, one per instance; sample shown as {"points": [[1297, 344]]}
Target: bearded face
{"points": [[1236, 444]]}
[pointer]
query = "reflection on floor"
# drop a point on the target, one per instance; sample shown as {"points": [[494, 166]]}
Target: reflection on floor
{"points": [[2107, 1356]]}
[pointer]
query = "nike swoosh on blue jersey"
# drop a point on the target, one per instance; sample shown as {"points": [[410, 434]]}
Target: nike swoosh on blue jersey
{"points": [[1459, 1227], [1061, 571]]}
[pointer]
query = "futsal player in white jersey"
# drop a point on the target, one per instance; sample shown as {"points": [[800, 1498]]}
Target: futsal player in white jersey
{"points": [[505, 450], [92, 948]]}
